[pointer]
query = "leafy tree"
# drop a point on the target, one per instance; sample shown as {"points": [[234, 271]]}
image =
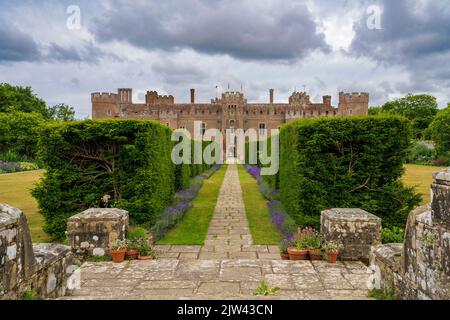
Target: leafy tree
{"points": [[440, 130], [62, 112], [19, 133], [373, 111], [22, 99], [419, 109]]}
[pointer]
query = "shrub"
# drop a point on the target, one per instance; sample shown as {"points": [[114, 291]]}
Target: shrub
{"points": [[345, 162], [440, 131], [392, 235], [420, 153], [127, 159], [19, 132]]}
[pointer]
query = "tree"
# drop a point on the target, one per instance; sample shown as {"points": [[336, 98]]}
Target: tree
{"points": [[62, 112], [19, 133], [440, 130], [21, 99], [419, 109]]}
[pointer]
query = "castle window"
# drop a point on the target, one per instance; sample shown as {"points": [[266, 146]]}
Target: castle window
{"points": [[109, 112], [262, 129], [203, 129], [261, 112], [326, 113], [351, 111], [181, 112]]}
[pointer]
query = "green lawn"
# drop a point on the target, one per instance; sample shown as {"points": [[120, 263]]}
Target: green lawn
{"points": [[15, 190], [257, 211], [420, 177], [192, 230]]}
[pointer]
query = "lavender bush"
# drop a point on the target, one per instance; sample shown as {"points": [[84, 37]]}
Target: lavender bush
{"points": [[181, 204], [280, 219]]}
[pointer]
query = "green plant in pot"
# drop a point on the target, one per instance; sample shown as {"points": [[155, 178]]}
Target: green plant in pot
{"points": [[134, 237], [284, 245], [146, 252], [315, 246], [332, 249], [300, 244], [118, 251]]}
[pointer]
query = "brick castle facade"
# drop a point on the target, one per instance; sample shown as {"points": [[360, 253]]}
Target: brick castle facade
{"points": [[231, 110]]}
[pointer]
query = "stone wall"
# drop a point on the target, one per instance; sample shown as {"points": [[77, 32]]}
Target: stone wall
{"points": [[44, 269], [420, 267], [356, 229], [94, 231]]}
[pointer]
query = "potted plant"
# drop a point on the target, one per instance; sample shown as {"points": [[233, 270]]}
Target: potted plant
{"points": [[300, 243], [332, 249], [134, 237], [315, 246], [146, 251], [118, 251], [284, 245]]}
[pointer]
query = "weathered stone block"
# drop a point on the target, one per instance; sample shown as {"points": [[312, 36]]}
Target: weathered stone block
{"points": [[44, 269], [356, 229], [440, 202], [95, 230]]}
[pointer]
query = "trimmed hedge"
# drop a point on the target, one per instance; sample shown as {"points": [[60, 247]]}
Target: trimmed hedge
{"points": [[127, 159], [130, 160], [345, 162]]}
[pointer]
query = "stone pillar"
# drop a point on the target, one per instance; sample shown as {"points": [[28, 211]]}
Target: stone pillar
{"points": [[356, 229], [94, 231], [271, 96], [440, 202], [17, 261]]}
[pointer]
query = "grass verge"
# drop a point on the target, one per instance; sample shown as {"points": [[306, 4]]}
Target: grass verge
{"points": [[257, 211], [15, 190], [192, 230], [420, 177]]}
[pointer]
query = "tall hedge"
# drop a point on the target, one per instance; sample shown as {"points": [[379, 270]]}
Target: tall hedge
{"points": [[127, 159], [345, 162]]}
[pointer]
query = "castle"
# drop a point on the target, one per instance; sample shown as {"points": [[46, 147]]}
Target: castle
{"points": [[230, 111]]}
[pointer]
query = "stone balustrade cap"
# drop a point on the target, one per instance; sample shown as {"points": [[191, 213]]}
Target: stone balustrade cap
{"points": [[9, 215], [100, 214], [349, 214], [443, 176]]}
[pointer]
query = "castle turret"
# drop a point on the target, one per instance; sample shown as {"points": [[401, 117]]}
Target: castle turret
{"points": [[125, 95], [355, 103], [271, 96]]}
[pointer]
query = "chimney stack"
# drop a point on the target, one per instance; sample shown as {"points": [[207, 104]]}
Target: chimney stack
{"points": [[271, 96], [192, 96]]}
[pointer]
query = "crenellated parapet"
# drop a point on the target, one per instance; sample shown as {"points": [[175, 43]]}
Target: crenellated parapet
{"points": [[104, 97], [356, 103], [153, 98]]}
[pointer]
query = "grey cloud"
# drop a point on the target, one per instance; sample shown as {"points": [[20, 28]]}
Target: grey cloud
{"points": [[242, 29], [86, 51], [411, 29], [16, 45]]}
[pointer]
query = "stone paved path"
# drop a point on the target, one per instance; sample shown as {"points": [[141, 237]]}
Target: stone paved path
{"points": [[228, 234], [228, 266], [221, 279]]}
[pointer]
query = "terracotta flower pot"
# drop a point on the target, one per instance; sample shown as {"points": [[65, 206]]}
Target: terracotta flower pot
{"points": [[118, 255], [132, 254], [314, 255], [145, 257], [295, 254], [284, 256], [332, 257]]}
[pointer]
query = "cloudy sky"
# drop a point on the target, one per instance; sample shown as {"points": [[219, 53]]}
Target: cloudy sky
{"points": [[387, 48]]}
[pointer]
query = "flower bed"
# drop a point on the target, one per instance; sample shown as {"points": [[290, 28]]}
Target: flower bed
{"points": [[280, 219], [181, 204], [11, 167]]}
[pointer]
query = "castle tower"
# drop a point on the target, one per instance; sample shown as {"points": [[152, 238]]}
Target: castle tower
{"points": [[352, 104]]}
